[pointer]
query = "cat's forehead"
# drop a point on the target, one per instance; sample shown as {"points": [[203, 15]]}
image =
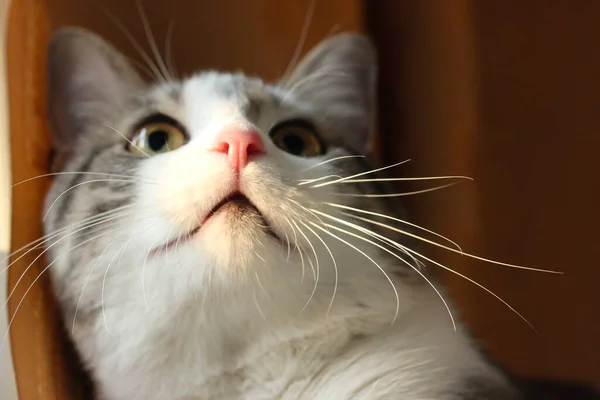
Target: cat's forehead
{"points": [[211, 96]]}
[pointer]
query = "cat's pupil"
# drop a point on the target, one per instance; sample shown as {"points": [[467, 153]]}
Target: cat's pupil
{"points": [[294, 144], [157, 140]]}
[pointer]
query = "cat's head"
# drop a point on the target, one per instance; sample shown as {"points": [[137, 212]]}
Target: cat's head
{"points": [[215, 183]]}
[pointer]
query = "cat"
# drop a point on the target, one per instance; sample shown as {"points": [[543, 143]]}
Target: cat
{"points": [[222, 237]]}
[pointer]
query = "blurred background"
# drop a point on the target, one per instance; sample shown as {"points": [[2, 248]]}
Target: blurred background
{"points": [[507, 92]]}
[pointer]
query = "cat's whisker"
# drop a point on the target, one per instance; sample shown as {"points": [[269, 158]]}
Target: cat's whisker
{"points": [[33, 283], [397, 220], [417, 254], [396, 256], [127, 139], [81, 184], [331, 160], [368, 258], [38, 243], [136, 45], [317, 269], [402, 194], [361, 174], [301, 40], [168, 50], [46, 250], [87, 278], [318, 74], [151, 41], [258, 307], [335, 286], [308, 181], [409, 234], [78, 173], [144, 271], [418, 178], [297, 248]]}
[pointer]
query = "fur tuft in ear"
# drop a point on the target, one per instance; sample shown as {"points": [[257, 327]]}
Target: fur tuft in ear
{"points": [[88, 80], [338, 76]]}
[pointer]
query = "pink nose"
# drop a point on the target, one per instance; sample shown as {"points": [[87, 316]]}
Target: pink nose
{"points": [[239, 145]]}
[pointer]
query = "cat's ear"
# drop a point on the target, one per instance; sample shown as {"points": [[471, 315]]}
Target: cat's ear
{"points": [[339, 77], [88, 80]]}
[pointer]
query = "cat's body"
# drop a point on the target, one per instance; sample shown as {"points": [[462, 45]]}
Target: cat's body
{"points": [[272, 297]]}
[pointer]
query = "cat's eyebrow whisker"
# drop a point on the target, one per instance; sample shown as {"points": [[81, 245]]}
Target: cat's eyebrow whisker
{"points": [[301, 40], [79, 173], [136, 45], [334, 265], [397, 220], [402, 194], [370, 259], [127, 139], [152, 41], [34, 282], [399, 258], [361, 174], [317, 262], [360, 228], [418, 178], [422, 239], [81, 184], [168, 54]]}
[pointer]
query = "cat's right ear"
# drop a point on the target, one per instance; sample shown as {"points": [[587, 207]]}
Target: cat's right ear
{"points": [[88, 79]]}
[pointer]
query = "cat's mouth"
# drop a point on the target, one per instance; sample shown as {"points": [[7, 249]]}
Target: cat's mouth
{"points": [[236, 203]]}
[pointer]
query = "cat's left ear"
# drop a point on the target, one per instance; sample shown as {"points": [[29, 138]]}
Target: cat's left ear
{"points": [[339, 77], [88, 81]]}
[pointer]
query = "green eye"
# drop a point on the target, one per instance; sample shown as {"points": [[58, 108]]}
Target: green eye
{"points": [[156, 138], [297, 137]]}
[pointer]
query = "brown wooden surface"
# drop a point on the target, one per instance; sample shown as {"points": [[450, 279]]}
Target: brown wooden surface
{"points": [[258, 36], [506, 92]]}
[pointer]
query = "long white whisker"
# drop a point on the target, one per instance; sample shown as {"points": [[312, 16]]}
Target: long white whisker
{"points": [[168, 55], [152, 41], [452, 249], [87, 278], [298, 249], [29, 289], [397, 220], [317, 262], [370, 259], [127, 139], [417, 178], [334, 265], [81, 184], [301, 40], [77, 173], [43, 252], [440, 265], [332, 160], [308, 181], [41, 241], [361, 174], [394, 244], [398, 194], [136, 45]]}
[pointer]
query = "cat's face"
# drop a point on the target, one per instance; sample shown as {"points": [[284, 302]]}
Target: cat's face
{"points": [[203, 185]]}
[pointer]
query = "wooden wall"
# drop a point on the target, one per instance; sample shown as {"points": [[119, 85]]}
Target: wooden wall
{"points": [[506, 92]]}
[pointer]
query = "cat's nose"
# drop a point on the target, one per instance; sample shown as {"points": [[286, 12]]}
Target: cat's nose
{"points": [[240, 145]]}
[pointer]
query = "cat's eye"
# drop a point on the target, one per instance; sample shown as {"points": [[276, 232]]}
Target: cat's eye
{"points": [[297, 137], [157, 137]]}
